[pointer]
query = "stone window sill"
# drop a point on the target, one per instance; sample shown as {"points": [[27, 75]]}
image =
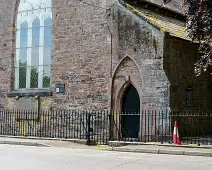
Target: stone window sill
{"points": [[30, 93]]}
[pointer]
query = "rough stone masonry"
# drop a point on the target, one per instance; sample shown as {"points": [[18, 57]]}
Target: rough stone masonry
{"points": [[99, 47]]}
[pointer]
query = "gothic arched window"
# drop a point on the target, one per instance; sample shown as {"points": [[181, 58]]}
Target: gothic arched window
{"points": [[33, 44]]}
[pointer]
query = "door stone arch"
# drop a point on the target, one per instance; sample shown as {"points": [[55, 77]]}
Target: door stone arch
{"points": [[127, 77], [127, 73]]}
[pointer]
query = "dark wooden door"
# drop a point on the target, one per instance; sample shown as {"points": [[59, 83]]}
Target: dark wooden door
{"points": [[131, 110]]}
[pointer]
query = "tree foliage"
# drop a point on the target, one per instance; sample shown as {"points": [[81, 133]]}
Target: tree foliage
{"points": [[199, 27]]}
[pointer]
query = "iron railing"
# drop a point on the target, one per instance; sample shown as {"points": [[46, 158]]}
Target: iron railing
{"points": [[74, 124], [101, 126], [158, 126]]}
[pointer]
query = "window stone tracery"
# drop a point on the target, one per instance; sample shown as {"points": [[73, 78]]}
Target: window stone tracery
{"points": [[33, 56]]}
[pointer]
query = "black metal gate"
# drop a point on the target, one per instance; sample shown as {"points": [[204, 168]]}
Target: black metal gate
{"points": [[98, 126]]}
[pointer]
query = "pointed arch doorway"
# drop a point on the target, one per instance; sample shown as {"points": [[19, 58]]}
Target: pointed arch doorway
{"points": [[131, 110]]}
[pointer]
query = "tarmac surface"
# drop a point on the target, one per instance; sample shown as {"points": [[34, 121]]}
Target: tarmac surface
{"points": [[131, 147], [77, 157]]}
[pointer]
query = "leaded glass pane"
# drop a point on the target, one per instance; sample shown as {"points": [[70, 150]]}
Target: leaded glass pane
{"points": [[34, 77], [48, 33], [35, 33], [46, 76], [23, 43], [22, 75], [23, 56], [23, 34], [47, 52]]}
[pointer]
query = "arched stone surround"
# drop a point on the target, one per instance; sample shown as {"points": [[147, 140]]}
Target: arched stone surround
{"points": [[126, 73]]}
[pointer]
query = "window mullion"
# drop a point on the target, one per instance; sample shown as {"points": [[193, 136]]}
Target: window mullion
{"points": [[29, 54], [41, 50]]}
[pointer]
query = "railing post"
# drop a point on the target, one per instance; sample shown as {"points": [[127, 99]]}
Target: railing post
{"points": [[162, 129], [110, 125], [88, 128]]}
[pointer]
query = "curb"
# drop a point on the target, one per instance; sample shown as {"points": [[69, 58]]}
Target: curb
{"points": [[123, 143], [160, 151], [24, 143], [78, 141]]}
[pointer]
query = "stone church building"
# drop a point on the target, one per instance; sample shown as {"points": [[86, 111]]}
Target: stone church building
{"points": [[98, 55]]}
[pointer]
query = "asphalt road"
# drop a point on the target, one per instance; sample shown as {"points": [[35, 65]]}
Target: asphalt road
{"points": [[16, 157]]}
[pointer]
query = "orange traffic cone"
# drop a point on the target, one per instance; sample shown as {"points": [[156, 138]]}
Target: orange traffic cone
{"points": [[175, 132], [176, 137]]}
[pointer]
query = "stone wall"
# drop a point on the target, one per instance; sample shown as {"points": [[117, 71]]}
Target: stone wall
{"points": [[81, 55], [93, 43], [142, 45], [179, 59], [7, 9]]}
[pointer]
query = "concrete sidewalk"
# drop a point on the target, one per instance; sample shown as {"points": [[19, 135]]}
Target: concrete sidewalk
{"points": [[114, 146], [44, 142], [191, 150]]}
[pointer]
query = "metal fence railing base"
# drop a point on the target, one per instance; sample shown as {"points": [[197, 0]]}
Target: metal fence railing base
{"points": [[99, 127]]}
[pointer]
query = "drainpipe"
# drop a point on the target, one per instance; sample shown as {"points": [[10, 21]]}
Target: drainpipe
{"points": [[111, 68]]}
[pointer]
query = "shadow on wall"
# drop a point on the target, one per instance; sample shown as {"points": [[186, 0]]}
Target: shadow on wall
{"points": [[187, 91]]}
